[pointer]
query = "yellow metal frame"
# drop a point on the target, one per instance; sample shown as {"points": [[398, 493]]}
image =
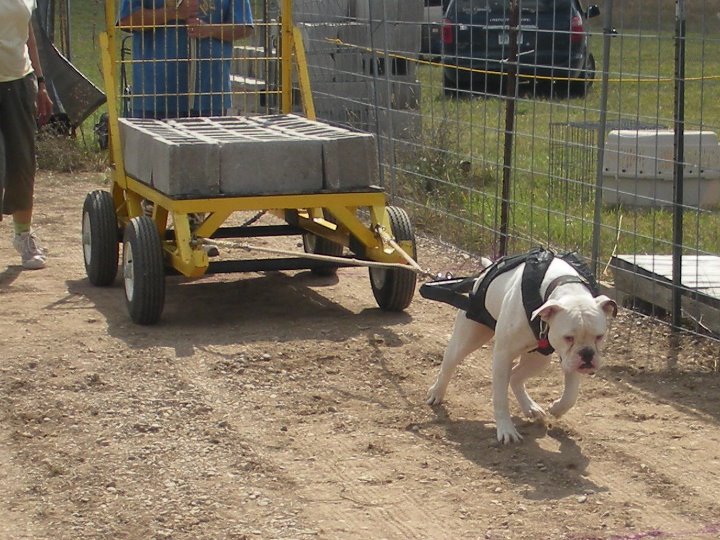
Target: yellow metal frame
{"points": [[308, 211]]}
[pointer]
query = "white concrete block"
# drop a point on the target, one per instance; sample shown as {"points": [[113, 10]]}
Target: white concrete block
{"points": [[658, 193], [320, 10], [650, 154]]}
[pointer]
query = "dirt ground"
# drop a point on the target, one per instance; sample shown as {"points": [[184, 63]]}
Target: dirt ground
{"points": [[283, 405]]}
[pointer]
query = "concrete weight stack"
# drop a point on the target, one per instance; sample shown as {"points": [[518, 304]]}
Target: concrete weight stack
{"points": [[313, 11], [172, 162], [256, 160], [349, 157]]}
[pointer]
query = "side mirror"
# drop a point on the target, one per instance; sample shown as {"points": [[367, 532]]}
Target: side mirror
{"points": [[592, 11]]}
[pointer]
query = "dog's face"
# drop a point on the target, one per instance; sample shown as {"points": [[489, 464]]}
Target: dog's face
{"points": [[577, 327]]}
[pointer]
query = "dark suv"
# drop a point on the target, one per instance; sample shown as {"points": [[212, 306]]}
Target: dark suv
{"points": [[552, 45]]}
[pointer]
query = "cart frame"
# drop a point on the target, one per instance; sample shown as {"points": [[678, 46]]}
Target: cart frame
{"points": [[333, 218]]}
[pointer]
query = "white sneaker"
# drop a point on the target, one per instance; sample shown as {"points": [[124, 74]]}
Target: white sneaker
{"points": [[33, 256]]}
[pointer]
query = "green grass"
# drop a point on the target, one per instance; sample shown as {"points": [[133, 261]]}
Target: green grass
{"points": [[452, 181], [546, 207]]}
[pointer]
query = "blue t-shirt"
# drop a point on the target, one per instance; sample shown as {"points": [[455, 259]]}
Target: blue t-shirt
{"points": [[162, 62]]}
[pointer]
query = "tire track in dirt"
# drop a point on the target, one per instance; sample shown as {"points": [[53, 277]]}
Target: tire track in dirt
{"points": [[331, 480]]}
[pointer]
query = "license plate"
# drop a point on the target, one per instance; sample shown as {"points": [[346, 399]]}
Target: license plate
{"points": [[504, 38]]}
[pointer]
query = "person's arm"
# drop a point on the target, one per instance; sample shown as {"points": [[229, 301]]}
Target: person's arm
{"points": [[237, 23], [197, 28], [43, 102], [148, 18]]}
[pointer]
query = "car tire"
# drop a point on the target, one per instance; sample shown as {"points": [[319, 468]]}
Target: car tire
{"points": [[580, 88], [451, 87]]}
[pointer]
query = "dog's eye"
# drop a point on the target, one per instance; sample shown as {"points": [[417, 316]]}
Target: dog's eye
{"points": [[569, 339], [599, 338]]}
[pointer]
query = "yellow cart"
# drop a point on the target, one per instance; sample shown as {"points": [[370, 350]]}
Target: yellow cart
{"points": [[158, 238]]}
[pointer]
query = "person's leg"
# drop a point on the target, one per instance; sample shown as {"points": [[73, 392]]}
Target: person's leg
{"points": [[18, 117]]}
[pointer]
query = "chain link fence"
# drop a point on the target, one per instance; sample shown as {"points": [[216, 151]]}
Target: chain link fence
{"points": [[615, 157]]}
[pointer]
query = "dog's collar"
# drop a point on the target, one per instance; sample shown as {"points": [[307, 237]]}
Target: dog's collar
{"points": [[564, 280]]}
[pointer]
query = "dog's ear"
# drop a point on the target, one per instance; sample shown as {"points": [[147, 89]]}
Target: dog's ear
{"points": [[608, 305], [547, 310]]}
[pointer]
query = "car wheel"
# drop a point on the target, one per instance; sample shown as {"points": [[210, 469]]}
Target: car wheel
{"points": [[450, 87], [580, 88]]}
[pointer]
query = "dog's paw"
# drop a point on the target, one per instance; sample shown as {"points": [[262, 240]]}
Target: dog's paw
{"points": [[557, 409], [434, 396], [506, 433], [535, 412]]}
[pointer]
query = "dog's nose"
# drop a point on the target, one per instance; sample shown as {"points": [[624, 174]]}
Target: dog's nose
{"points": [[586, 355]]}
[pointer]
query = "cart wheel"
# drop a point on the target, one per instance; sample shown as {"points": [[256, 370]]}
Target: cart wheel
{"points": [[318, 245], [100, 238], [394, 288], [143, 271]]}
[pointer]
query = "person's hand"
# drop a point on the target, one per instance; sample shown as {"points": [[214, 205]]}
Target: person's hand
{"points": [[187, 10], [197, 28], [44, 105]]}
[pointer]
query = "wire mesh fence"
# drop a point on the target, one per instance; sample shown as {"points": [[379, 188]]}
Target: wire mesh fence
{"points": [[507, 124]]}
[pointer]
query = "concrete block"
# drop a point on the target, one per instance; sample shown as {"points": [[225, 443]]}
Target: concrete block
{"points": [[279, 165], [398, 37], [344, 92], [248, 61], [249, 96], [321, 67], [355, 33], [350, 162], [349, 66], [172, 162], [349, 158], [650, 153], [377, 10], [258, 160], [135, 135], [320, 10], [184, 165], [658, 193], [395, 94], [319, 37]]}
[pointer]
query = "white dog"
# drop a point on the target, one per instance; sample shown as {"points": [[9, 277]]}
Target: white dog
{"points": [[566, 317]]}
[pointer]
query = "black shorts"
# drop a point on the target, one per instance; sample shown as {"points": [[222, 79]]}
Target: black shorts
{"points": [[17, 143]]}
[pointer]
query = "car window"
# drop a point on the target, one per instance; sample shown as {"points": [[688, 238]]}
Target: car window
{"points": [[469, 6]]}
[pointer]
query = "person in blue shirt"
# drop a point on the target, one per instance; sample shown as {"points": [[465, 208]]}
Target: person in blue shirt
{"points": [[182, 53]]}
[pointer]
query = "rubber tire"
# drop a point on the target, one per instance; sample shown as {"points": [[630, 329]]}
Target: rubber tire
{"points": [[317, 245], [394, 288], [100, 238], [579, 89], [143, 271]]}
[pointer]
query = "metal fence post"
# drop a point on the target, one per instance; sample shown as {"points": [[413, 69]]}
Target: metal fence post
{"points": [[509, 127], [608, 33], [679, 158]]}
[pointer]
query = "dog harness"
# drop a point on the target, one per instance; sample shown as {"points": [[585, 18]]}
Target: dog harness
{"points": [[459, 292]]}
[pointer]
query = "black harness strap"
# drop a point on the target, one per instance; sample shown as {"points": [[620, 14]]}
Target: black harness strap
{"points": [[478, 311], [458, 292], [533, 275]]}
